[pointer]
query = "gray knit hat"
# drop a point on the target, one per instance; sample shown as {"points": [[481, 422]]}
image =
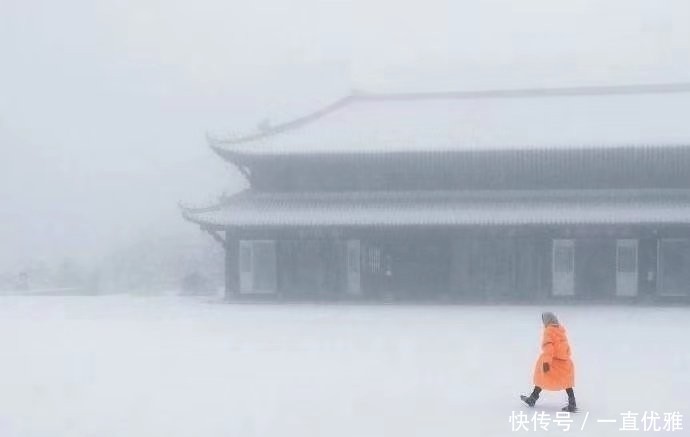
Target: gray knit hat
{"points": [[549, 318]]}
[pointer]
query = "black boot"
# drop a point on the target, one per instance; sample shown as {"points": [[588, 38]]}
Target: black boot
{"points": [[531, 399], [572, 406]]}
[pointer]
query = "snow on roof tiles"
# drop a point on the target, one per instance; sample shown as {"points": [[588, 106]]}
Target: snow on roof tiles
{"points": [[446, 208], [490, 120]]}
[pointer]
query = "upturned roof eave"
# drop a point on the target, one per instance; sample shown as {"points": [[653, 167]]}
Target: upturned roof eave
{"points": [[445, 208]]}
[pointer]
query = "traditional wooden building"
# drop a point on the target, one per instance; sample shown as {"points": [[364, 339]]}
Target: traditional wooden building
{"points": [[523, 195]]}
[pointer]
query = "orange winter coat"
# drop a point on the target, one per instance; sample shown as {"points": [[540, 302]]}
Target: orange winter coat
{"points": [[556, 352]]}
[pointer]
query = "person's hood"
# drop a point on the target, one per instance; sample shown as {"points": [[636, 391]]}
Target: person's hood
{"points": [[549, 318]]}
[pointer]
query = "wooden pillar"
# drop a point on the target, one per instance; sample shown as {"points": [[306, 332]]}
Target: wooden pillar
{"points": [[232, 264]]}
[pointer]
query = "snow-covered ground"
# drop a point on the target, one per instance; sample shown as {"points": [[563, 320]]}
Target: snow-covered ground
{"points": [[166, 366]]}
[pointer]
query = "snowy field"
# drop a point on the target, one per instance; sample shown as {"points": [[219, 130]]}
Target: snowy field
{"points": [[167, 366]]}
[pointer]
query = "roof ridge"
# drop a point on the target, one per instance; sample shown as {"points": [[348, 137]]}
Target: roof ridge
{"points": [[502, 93]]}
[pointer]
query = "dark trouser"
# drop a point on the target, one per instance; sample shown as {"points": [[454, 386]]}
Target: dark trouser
{"points": [[571, 393], [537, 390]]}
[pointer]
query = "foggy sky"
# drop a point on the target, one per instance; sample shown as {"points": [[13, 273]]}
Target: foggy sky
{"points": [[104, 104]]}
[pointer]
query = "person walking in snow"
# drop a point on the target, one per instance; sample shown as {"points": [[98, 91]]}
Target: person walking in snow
{"points": [[554, 370]]}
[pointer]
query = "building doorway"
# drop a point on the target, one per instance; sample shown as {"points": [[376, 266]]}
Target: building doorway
{"points": [[257, 266], [626, 268], [563, 267]]}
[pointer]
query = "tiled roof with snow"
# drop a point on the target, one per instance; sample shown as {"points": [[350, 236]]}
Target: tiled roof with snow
{"points": [[646, 116], [447, 208]]}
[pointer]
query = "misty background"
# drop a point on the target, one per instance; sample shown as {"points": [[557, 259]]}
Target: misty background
{"points": [[104, 105]]}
